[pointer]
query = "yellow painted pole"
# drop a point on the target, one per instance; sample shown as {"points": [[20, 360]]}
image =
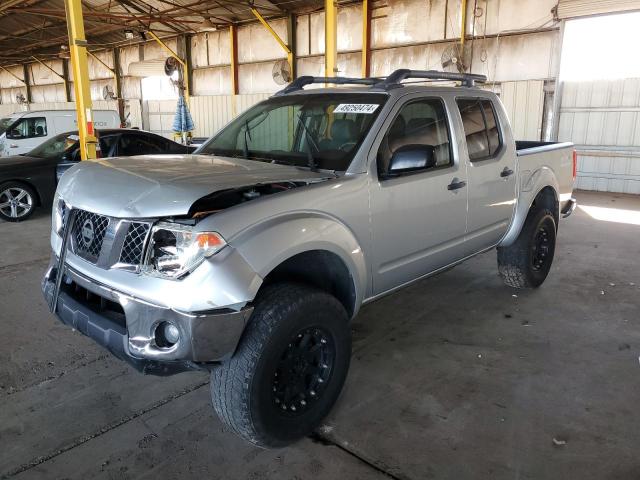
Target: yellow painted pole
{"points": [[81, 85], [463, 21], [185, 74], [366, 38], [330, 38], [275, 35]]}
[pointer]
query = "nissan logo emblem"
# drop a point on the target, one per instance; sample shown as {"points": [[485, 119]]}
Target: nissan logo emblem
{"points": [[87, 233]]}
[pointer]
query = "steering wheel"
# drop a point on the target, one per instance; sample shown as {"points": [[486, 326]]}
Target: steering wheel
{"points": [[347, 146]]}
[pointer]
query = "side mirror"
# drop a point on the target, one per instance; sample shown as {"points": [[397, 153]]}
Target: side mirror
{"points": [[409, 158]]}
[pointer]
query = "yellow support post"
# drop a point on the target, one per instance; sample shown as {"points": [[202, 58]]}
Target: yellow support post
{"points": [[78, 51], [463, 21], [366, 39], [284, 46], [330, 38], [185, 73]]}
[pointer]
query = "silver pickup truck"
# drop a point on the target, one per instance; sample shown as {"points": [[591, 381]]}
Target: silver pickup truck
{"points": [[249, 258]]}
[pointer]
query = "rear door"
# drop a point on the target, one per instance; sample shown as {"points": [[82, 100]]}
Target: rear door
{"points": [[491, 172], [418, 218]]}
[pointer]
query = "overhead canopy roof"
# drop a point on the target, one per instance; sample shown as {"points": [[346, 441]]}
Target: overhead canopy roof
{"points": [[38, 27]]}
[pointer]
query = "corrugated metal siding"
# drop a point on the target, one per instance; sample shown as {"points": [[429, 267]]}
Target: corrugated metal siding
{"points": [[524, 103], [581, 8], [603, 119]]}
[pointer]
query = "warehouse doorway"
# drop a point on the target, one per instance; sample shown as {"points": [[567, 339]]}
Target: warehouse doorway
{"points": [[600, 101]]}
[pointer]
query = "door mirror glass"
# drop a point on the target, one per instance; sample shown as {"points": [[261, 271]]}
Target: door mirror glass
{"points": [[410, 158]]}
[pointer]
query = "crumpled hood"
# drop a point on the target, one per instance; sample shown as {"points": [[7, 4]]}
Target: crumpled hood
{"points": [[164, 185]]}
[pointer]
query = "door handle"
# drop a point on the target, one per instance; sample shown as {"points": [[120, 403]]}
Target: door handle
{"points": [[506, 172], [456, 184], [13, 145]]}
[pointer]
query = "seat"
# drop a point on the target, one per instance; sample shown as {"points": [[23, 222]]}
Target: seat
{"points": [[40, 131], [343, 132]]}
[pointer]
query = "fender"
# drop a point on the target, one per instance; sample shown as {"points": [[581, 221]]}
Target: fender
{"points": [[262, 247], [531, 184]]}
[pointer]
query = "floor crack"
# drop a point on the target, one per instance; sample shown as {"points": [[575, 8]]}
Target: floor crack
{"points": [[105, 429]]}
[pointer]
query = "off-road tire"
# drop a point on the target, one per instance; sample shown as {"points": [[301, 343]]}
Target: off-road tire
{"points": [[243, 388], [22, 212], [520, 264]]}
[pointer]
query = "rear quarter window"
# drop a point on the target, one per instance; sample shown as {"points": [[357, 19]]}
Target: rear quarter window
{"points": [[481, 128]]}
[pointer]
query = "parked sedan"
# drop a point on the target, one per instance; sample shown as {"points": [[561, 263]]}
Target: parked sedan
{"points": [[29, 180]]}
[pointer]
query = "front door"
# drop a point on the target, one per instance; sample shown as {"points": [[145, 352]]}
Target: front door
{"points": [[491, 172], [418, 216]]}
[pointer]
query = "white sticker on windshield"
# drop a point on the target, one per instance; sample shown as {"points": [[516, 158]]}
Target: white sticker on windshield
{"points": [[367, 108]]}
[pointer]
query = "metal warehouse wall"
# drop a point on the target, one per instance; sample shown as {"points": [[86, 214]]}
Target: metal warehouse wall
{"points": [[515, 42], [603, 119]]}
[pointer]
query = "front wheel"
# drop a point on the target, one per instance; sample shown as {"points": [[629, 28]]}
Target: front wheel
{"points": [[289, 367], [526, 263]]}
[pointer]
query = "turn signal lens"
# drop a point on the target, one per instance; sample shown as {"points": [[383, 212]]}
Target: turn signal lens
{"points": [[575, 164], [210, 240]]}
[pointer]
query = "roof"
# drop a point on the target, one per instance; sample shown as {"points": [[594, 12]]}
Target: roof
{"points": [[40, 25]]}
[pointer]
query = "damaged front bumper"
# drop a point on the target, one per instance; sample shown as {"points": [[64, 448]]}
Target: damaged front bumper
{"points": [[126, 325]]}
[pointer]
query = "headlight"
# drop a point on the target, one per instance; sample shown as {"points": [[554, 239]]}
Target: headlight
{"points": [[175, 250], [59, 214]]}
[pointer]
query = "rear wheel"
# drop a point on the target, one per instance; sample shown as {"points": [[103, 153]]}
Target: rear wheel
{"points": [[17, 201], [526, 263], [289, 368]]}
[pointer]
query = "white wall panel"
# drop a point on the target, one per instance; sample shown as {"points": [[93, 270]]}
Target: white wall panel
{"points": [[212, 81], [9, 81], [41, 75], [255, 43], [579, 8], [98, 71], [524, 103], [603, 119]]}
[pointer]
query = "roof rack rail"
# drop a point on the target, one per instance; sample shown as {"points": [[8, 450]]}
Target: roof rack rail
{"points": [[396, 78], [301, 82], [392, 81]]}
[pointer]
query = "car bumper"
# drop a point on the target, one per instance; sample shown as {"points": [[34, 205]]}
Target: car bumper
{"points": [[126, 325]]}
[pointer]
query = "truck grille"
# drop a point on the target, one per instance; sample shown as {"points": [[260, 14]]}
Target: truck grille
{"points": [[134, 242], [88, 231]]}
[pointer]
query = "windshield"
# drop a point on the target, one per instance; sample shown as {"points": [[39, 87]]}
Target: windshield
{"points": [[55, 146], [6, 123], [312, 130]]}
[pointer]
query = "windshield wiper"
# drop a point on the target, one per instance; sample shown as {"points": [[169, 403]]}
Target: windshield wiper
{"points": [[311, 162]]}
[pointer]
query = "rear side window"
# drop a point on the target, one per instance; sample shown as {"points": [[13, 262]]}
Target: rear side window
{"points": [[130, 145], [481, 128], [29, 128]]}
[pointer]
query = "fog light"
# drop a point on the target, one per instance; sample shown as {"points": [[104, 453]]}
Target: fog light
{"points": [[167, 335]]}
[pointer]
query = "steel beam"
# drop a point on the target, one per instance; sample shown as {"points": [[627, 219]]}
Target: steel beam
{"points": [[330, 38], [275, 35], [463, 21], [63, 77], [366, 38], [81, 83], [233, 42]]}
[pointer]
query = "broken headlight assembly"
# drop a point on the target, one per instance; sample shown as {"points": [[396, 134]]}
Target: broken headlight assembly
{"points": [[175, 250]]}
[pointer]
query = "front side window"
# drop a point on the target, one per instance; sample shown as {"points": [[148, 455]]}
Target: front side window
{"points": [[419, 123], [311, 130], [29, 128], [5, 123], [480, 128]]}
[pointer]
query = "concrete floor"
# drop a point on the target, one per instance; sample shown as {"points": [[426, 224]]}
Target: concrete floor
{"points": [[455, 377]]}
